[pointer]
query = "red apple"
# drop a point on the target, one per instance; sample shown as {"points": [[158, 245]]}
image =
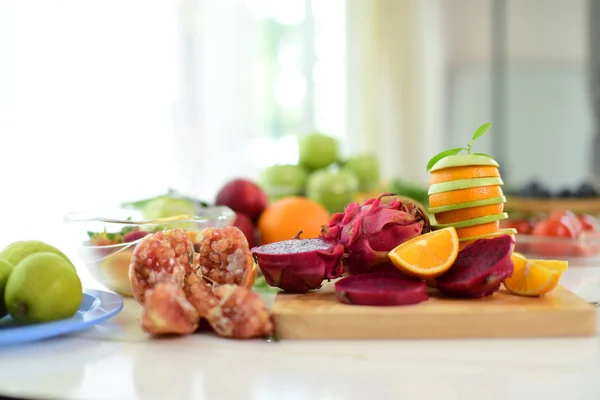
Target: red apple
{"points": [[244, 223], [243, 196]]}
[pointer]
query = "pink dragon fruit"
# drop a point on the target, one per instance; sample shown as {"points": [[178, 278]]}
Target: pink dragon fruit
{"points": [[299, 265], [370, 231], [479, 268], [380, 289]]}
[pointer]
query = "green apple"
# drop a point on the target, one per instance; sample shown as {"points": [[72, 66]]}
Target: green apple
{"points": [[164, 207], [283, 180], [5, 270], [463, 184], [42, 288], [316, 150], [467, 204], [17, 251], [366, 169], [463, 160], [506, 231], [474, 221], [332, 189]]}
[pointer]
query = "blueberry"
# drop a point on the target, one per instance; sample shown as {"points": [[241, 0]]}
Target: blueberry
{"points": [[527, 191], [534, 189], [534, 184], [586, 190], [565, 193], [542, 193]]}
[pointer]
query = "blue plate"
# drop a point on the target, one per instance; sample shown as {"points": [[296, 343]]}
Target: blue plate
{"points": [[97, 306]]}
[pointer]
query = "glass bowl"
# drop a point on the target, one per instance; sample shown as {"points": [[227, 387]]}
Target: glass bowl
{"points": [[584, 250], [106, 244]]}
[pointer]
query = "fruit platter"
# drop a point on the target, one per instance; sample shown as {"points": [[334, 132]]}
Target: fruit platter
{"points": [[451, 272], [388, 266], [447, 263]]}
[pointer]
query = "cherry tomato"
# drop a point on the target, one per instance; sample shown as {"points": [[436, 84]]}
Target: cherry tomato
{"points": [[572, 219], [588, 223], [555, 228]]}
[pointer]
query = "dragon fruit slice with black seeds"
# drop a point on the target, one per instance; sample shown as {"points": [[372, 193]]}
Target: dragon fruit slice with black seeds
{"points": [[479, 268], [299, 265]]}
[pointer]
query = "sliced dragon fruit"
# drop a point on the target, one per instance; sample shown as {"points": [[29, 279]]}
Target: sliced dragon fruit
{"points": [[370, 231], [479, 268], [380, 289], [299, 265]]}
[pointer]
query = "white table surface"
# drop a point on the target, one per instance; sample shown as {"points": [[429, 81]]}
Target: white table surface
{"points": [[116, 360]]}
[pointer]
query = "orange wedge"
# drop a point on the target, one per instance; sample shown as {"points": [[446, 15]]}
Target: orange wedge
{"points": [[427, 256], [534, 277]]}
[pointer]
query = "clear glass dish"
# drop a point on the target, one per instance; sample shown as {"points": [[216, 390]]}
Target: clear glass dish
{"points": [[105, 244], [584, 250]]}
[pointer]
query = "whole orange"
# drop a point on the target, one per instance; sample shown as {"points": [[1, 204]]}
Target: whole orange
{"points": [[283, 219]]}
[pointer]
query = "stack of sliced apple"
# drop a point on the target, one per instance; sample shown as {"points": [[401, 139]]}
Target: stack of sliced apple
{"points": [[465, 192]]}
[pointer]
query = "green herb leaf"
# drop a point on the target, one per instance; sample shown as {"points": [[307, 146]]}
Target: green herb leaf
{"points": [[445, 153], [91, 234], [483, 154], [480, 131], [111, 236]]}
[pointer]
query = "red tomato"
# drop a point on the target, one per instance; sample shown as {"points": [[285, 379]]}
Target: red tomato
{"points": [[572, 219], [588, 223], [555, 228]]}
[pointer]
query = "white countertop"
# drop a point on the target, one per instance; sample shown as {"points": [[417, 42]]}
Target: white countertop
{"points": [[116, 360]]}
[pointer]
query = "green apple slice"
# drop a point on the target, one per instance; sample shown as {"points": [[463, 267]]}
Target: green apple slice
{"points": [[474, 221], [463, 160], [507, 231], [468, 204], [463, 184]]}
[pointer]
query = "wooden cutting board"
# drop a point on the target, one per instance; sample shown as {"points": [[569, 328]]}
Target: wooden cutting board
{"points": [[319, 315]]}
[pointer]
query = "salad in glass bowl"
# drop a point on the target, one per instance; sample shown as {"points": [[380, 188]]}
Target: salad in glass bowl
{"points": [[105, 239], [560, 234]]}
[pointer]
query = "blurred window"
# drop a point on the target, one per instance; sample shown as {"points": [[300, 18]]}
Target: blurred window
{"points": [[96, 97], [302, 51]]}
